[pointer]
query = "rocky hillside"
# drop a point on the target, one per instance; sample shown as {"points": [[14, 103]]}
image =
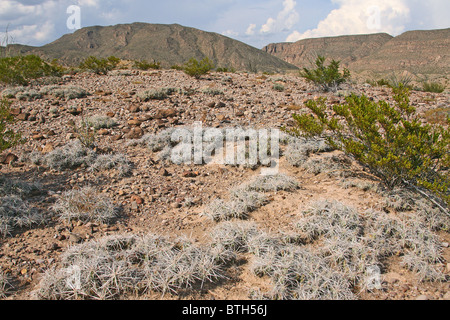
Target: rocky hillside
{"points": [[347, 49], [168, 44], [425, 52], [418, 52], [125, 221]]}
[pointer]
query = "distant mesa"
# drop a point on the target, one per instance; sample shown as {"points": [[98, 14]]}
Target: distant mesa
{"points": [[419, 52]]}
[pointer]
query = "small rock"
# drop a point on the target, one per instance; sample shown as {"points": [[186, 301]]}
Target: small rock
{"points": [[134, 122], [135, 133], [134, 205], [116, 137], [38, 137], [221, 117], [16, 111], [137, 199], [23, 116], [422, 297], [163, 172], [134, 109], [53, 246], [175, 205], [221, 105], [166, 113], [8, 158], [75, 238], [190, 174]]}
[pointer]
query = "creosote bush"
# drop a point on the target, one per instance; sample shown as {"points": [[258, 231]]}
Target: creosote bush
{"points": [[145, 65], [388, 139], [20, 70], [196, 68], [100, 65], [326, 77]]}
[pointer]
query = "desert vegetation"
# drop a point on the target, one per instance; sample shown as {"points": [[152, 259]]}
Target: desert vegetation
{"points": [[326, 77], [389, 139], [104, 200], [99, 65], [20, 70], [196, 68]]}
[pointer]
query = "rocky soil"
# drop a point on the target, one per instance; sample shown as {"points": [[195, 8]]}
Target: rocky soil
{"points": [[168, 199]]}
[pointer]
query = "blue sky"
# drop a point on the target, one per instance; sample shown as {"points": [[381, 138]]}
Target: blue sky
{"points": [[258, 23]]}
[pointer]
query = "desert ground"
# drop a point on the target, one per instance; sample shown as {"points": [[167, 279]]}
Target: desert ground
{"points": [[216, 231]]}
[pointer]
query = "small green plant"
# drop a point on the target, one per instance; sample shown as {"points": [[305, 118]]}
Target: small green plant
{"points": [[8, 138], [86, 133], [100, 66], [156, 94], [400, 81], [196, 68], [176, 67], [19, 70], [388, 139], [434, 87], [326, 77], [145, 65], [226, 70], [278, 87], [378, 83]]}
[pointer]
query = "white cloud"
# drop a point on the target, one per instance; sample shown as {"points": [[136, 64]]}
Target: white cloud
{"points": [[230, 33], [251, 29], [89, 3], [360, 17], [286, 19]]}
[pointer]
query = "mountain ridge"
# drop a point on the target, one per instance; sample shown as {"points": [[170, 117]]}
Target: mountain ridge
{"points": [[169, 44], [416, 51]]}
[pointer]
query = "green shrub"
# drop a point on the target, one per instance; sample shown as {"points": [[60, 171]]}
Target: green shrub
{"points": [[8, 138], [100, 66], [378, 83], [196, 69], [278, 87], [225, 70], [326, 78], [20, 70], [145, 65], [388, 139], [176, 67], [86, 133], [433, 87]]}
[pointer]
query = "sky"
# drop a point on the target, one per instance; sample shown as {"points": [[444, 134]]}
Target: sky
{"points": [[257, 23]]}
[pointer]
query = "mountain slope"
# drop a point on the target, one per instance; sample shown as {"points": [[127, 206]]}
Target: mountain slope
{"points": [[419, 52], [347, 49], [168, 44], [425, 52]]}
